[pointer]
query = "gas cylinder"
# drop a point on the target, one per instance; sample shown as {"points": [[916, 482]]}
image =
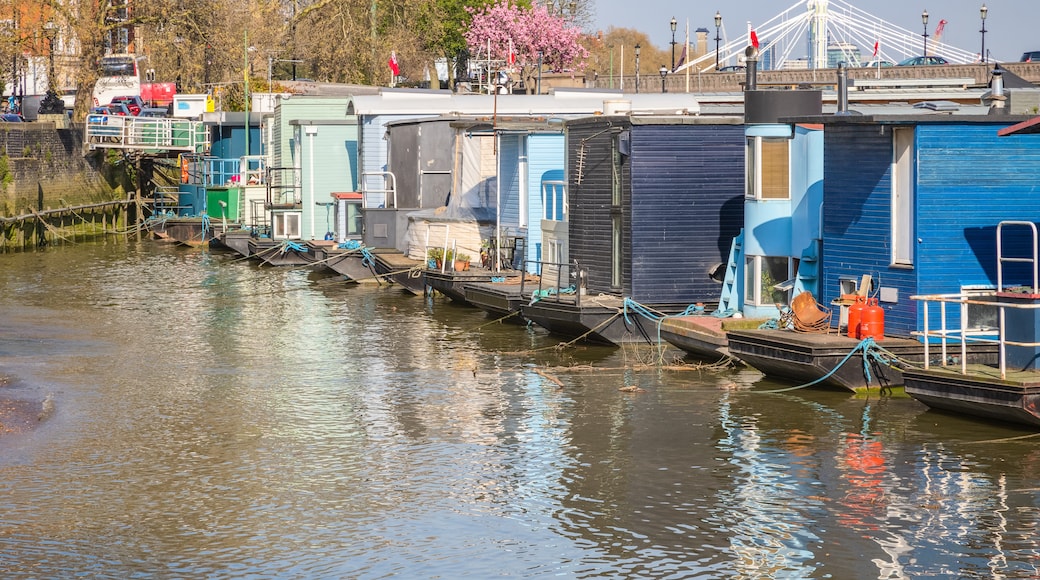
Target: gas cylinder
{"points": [[855, 315], [872, 321]]}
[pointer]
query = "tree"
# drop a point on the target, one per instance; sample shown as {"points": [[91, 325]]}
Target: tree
{"points": [[526, 38]]}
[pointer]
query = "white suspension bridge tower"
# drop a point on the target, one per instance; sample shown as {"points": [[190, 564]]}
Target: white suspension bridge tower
{"points": [[807, 34]]}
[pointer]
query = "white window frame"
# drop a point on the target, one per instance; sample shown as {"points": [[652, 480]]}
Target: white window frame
{"points": [[902, 222]]}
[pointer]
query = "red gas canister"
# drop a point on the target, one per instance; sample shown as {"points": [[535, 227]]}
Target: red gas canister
{"points": [[855, 315], [872, 321]]}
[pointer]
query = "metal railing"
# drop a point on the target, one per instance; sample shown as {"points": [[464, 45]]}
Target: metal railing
{"points": [[389, 192], [557, 289], [962, 334], [151, 133]]}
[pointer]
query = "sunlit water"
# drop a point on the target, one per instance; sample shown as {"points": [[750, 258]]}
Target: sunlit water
{"points": [[215, 419]]}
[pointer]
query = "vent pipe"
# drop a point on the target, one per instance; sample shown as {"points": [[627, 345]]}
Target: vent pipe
{"points": [[995, 97], [751, 69], [843, 89]]}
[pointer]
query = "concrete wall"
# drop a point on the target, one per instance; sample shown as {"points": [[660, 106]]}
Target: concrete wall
{"points": [[44, 167]]}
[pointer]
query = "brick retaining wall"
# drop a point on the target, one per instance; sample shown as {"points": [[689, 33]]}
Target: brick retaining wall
{"points": [[38, 161]]}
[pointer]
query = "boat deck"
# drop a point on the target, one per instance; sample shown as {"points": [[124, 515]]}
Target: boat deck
{"points": [[980, 391]]}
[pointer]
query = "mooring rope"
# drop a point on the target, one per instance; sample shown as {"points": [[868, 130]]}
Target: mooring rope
{"points": [[871, 352]]}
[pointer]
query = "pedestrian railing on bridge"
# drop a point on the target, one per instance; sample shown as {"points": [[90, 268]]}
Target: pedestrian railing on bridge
{"points": [[146, 134]]}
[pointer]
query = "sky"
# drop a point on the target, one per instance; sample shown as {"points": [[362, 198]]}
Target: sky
{"points": [[1011, 25]]}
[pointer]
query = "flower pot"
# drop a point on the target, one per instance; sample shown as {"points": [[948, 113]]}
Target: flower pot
{"points": [[461, 266]]}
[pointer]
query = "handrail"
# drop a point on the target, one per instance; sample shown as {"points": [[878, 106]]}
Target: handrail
{"points": [[389, 194], [1001, 259], [965, 335], [561, 267], [121, 132]]}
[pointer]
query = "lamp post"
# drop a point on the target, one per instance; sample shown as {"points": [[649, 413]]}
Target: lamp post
{"points": [[983, 12], [637, 67], [664, 73], [924, 21], [718, 25], [673, 24], [611, 47]]}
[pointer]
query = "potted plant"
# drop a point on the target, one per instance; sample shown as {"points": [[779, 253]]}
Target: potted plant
{"points": [[462, 262], [434, 257]]}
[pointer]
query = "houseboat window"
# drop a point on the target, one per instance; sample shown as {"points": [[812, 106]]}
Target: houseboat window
{"points": [[776, 163], [768, 168], [761, 274], [902, 196], [751, 169]]}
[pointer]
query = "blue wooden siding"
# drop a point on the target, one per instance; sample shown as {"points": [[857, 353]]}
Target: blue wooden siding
{"points": [[687, 205], [509, 149], [857, 189], [967, 180], [545, 155]]}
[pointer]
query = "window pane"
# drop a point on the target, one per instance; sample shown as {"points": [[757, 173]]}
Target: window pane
{"points": [[774, 271], [750, 169], [749, 280], [775, 169]]}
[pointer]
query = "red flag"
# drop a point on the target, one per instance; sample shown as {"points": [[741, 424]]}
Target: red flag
{"points": [[394, 67], [512, 55], [875, 47], [754, 38]]}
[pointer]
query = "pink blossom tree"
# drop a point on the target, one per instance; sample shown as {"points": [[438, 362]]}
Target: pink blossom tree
{"points": [[532, 34]]}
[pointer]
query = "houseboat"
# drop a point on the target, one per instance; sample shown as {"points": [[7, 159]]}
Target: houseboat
{"points": [[1000, 309], [653, 202], [895, 225]]}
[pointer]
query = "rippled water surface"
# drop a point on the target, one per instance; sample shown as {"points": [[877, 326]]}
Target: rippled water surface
{"points": [[190, 415]]}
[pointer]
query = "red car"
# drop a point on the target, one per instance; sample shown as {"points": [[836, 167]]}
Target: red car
{"points": [[133, 103]]}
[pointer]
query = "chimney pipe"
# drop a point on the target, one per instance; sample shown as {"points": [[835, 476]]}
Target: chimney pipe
{"points": [[751, 69], [843, 89], [995, 96]]}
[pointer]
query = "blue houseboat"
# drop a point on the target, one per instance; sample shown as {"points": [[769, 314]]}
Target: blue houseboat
{"points": [[653, 204], [901, 207]]}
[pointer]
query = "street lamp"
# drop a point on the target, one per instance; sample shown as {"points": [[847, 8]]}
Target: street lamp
{"points": [[637, 67], [982, 14], [718, 25], [924, 21], [664, 73], [673, 24]]}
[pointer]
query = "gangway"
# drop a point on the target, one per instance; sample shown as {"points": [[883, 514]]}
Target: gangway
{"points": [[146, 134]]}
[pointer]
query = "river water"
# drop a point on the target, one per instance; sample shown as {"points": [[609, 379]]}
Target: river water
{"points": [[182, 414]]}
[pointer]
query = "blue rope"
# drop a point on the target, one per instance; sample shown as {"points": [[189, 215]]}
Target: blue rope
{"points": [[871, 352], [498, 278], [350, 245], [367, 259], [539, 294], [291, 245], [205, 223]]}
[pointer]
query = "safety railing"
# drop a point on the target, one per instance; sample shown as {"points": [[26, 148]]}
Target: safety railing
{"points": [[145, 133], [955, 326], [551, 283], [385, 196]]}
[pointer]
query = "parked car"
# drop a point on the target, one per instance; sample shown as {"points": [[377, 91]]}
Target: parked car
{"points": [[133, 103], [923, 61], [1031, 56], [733, 68], [155, 112], [877, 63], [11, 118]]}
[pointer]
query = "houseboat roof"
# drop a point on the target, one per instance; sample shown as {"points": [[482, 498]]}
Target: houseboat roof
{"points": [[642, 119], [1026, 127]]}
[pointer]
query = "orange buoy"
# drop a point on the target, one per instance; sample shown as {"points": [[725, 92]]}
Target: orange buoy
{"points": [[872, 321], [855, 314]]}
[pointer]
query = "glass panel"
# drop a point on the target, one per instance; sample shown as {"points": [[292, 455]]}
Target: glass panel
{"points": [[751, 169], [774, 271], [750, 276]]}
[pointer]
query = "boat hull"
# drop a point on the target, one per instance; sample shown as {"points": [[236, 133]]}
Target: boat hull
{"points": [[979, 393]]}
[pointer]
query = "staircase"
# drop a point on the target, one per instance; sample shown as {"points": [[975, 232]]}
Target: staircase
{"points": [[730, 298]]}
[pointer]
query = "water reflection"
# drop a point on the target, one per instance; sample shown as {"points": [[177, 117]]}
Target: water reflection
{"points": [[217, 419]]}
